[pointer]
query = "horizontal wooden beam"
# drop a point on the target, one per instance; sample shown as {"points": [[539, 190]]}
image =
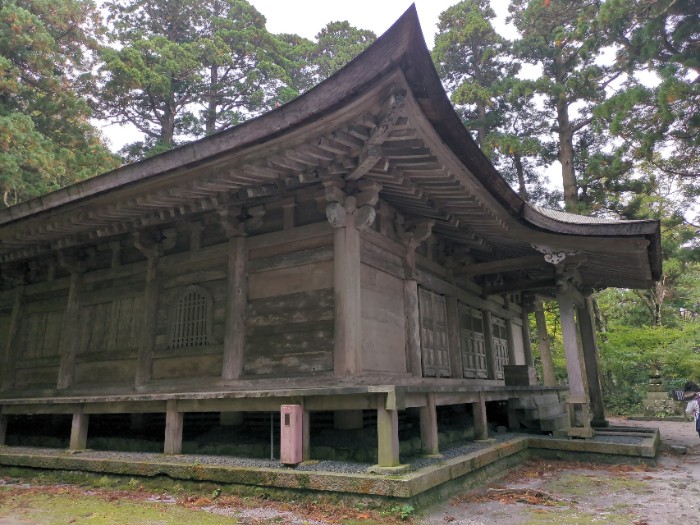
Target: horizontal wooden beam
{"points": [[502, 265], [520, 286]]}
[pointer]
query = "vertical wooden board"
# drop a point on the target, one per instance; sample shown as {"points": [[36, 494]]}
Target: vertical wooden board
{"points": [[38, 330], [87, 317], [52, 334], [123, 322], [137, 314], [383, 322], [5, 327], [518, 347]]}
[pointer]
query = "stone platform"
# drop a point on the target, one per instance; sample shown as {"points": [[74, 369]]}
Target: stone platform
{"points": [[457, 468]]}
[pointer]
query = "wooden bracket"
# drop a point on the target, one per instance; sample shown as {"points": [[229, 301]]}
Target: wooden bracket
{"points": [[154, 243]]}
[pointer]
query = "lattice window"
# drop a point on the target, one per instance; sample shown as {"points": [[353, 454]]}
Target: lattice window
{"points": [[500, 345], [434, 342], [471, 332], [190, 319]]}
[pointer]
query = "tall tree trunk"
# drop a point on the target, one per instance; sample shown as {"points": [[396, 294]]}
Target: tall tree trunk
{"points": [[522, 189], [566, 156], [481, 129], [212, 100], [566, 139]]}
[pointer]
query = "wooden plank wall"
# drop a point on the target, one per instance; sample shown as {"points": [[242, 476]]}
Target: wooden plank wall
{"points": [[290, 316]]}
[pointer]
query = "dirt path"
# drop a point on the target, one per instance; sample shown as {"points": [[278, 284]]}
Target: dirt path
{"points": [[578, 493]]}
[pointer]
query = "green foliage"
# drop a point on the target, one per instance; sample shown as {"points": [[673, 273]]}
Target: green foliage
{"points": [[183, 68], [337, 44], [46, 141]]}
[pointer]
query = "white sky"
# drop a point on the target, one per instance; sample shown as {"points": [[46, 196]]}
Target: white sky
{"points": [[307, 17]]}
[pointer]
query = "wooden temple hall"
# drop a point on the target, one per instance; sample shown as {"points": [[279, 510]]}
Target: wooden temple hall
{"points": [[352, 253]]}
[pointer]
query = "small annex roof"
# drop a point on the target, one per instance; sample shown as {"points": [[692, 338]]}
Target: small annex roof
{"points": [[385, 119]]}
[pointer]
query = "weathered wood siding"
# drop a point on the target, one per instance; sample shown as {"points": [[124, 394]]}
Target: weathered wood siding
{"points": [[111, 318], [204, 270], [290, 315], [383, 322]]}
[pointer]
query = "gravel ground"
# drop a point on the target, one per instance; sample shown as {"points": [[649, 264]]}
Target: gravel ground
{"points": [[347, 467], [668, 494]]}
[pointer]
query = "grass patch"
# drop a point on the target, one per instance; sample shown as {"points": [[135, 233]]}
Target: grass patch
{"points": [[570, 484], [571, 516], [68, 507]]}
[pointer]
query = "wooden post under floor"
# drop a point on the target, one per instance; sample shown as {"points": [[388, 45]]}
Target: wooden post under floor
{"points": [[79, 430], [481, 428], [3, 429], [387, 437], [236, 304], [429, 427], [306, 435], [173, 429]]}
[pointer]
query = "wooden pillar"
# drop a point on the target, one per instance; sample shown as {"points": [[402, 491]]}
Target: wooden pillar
{"points": [[481, 428], [306, 435], [70, 332], [457, 370], [11, 349], [152, 245], [3, 428], [173, 429], [591, 359], [79, 430], [348, 216], [488, 346], [577, 398], [527, 344], [412, 315], [429, 427], [412, 240], [236, 305], [544, 346], [512, 358], [346, 283], [387, 437], [574, 366], [144, 364]]}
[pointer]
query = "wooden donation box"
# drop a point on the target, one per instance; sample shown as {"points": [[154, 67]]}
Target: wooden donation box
{"points": [[291, 434]]}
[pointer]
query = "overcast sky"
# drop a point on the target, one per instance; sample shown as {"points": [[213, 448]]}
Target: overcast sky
{"points": [[307, 17]]}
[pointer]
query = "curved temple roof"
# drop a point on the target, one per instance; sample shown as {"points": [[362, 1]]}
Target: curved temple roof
{"points": [[384, 118]]}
